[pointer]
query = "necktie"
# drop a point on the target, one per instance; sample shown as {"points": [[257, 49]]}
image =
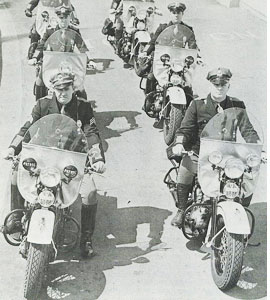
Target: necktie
{"points": [[219, 109]]}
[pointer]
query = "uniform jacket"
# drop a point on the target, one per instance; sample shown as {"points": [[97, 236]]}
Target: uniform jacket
{"points": [[160, 28], [197, 116], [78, 41], [77, 109]]}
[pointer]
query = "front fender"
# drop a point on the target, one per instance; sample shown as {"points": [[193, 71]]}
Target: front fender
{"points": [[41, 226], [234, 216], [142, 36], [176, 95]]}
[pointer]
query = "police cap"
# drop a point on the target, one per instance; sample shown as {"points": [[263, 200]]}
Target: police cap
{"points": [[63, 10], [219, 75], [177, 7], [62, 80]]}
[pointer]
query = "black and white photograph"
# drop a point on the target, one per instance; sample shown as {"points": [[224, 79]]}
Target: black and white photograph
{"points": [[133, 153]]}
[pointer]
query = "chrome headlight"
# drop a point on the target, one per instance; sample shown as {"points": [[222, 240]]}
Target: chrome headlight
{"points": [[140, 25], [215, 157], [176, 67], [253, 160], [50, 177], [46, 198], [176, 79], [234, 168], [231, 190]]}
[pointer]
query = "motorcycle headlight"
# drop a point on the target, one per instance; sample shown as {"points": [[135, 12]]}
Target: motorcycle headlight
{"points": [[50, 177], [215, 157], [176, 79], [231, 190], [46, 198], [176, 67], [234, 168], [141, 25], [253, 160]]}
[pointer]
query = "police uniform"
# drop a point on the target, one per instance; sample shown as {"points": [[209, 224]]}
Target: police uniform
{"points": [[196, 117]]}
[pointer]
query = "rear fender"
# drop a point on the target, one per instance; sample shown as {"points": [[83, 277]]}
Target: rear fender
{"points": [[41, 226], [234, 216], [176, 95]]}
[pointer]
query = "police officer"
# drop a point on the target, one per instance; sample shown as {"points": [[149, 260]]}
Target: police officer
{"points": [[34, 36], [188, 135], [63, 18], [64, 101], [176, 14]]}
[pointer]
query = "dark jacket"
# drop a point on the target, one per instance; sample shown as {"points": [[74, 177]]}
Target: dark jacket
{"points": [[197, 116], [160, 28], [69, 47], [77, 109]]}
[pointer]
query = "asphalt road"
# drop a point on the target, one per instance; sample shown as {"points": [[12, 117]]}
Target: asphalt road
{"points": [[139, 255]]}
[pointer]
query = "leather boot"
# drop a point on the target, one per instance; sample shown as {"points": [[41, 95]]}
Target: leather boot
{"points": [[182, 198], [88, 220]]}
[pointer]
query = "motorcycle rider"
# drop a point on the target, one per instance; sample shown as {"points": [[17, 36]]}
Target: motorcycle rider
{"points": [[188, 135], [63, 18], [64, 101], [177, 12], [33, 35]]}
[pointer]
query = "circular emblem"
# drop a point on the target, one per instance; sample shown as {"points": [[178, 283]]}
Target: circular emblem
{"points": [[70, 171], [29, 164]]}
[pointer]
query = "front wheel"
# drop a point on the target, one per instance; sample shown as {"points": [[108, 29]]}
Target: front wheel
{"points": [[172, 120], [37, 262], [227, 257]]}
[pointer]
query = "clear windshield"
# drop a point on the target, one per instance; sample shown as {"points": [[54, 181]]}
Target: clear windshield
{"points": [[55, 3], [234, 125], [57, 131], [140, 9], [65, 40], [178, 42], [233, 135]]}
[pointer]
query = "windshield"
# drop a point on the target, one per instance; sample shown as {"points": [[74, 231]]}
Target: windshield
{"points": [[234, 125], [232, 135], [177, 42], [140, 9], [57, 131], [65, 40], [55, 3]]}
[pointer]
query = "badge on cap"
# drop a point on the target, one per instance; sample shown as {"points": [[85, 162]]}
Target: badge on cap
{"points": [[219, 73]]}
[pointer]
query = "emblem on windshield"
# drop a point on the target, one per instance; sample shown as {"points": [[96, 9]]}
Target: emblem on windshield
{"points": [[29, 164], [70, 171]]}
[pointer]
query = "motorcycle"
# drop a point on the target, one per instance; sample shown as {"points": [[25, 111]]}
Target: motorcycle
{"points": [[64, 50], [51, 167], [217, 213], [138, 18], [46, 17], [174, 63]]}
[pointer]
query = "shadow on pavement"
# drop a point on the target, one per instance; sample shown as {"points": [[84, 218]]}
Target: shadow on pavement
{"points": [[106, 118], [116, 243], [102, 64]]}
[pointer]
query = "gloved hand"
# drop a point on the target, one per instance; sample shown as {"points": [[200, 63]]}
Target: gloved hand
{"points": [[32, 61], [178, 149], [99, 167], [28, 13], [7, 153]]}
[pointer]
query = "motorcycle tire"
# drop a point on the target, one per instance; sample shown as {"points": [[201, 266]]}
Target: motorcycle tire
{"points": [[37, 262], [227, 257], [173, 118]]}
